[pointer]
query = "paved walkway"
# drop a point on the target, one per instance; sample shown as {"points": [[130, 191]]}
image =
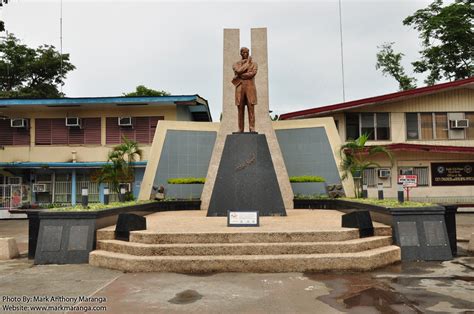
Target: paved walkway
{"points": [[436, 287], [404, 288]]}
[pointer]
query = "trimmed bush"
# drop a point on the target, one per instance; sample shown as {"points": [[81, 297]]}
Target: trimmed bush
{"points": [[302, 179], [186, 180]]}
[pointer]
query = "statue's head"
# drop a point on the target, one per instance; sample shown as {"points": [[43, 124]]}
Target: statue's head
{"points": [[244, 52]]}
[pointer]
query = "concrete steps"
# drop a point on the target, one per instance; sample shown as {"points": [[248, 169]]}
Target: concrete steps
{"points": [[245, 250], [355, 261], [262, 248]]}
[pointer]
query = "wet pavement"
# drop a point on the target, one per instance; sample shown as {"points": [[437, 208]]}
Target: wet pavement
{"points": [[415, 287]]}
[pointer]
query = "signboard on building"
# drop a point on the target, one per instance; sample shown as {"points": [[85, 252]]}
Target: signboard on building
{"points": [[452, 173], [408, 180]]}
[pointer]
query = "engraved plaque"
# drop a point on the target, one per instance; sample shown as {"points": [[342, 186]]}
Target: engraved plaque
{"points": [[408, 233], [78, 238], [52, 238], [434, 233]]}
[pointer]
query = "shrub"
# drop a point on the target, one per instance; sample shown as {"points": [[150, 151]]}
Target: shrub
{"points": [[307, 179], [186, 180]]}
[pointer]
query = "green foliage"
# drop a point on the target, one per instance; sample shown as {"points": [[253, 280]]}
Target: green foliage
{"points": [[447, 41], [389, 62], [300, 196], [118, 169], [186, 180], [32, 73], [307, 179], [142, 90], [355, 156], [96, 206], [447, 38], [388, 203]]}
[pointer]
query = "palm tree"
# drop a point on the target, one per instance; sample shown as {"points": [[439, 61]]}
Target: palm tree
{"points": [[355, 157], [118, 169]]}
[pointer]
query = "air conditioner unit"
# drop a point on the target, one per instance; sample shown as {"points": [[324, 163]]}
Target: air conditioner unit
{"points": [[126, 186], [40, 188], [125, 121], [18, 123], [459, 124], [73, 122], [384, 173]]}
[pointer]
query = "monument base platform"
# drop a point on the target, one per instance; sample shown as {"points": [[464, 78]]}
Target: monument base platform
{"points": [[190, 242]]}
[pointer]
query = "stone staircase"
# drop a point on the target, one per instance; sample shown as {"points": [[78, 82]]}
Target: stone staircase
{"points": [[245, 251]]}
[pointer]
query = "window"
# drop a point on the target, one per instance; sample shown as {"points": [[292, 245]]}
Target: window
{"points": [[352, 126], [13, 136], [426, 120], [412, 126], [369, 177], [427, 126], [441, 126], [420, 172], [383, 126], [375, 125], [470, 131], [55, 132], [142, 131]]}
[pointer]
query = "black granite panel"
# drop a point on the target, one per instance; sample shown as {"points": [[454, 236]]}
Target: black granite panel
{"points": [[246, 178]]}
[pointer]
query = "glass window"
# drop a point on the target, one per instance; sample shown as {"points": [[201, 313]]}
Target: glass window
{"points": [[441, 120], [369, 177], [412, 126], [352, 126], [422, 173], [383, 126], [426, 126], [470, 130], [368, 125]]}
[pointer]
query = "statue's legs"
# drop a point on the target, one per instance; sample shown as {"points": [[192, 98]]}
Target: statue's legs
{"points": [[251, 111], [241, 116]]}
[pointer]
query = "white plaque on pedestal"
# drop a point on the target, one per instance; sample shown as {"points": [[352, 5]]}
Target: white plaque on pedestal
{"points": [[243, 219]]}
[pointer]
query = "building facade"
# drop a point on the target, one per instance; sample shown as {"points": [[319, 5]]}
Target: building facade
{"points": [[429, 130], [51, 148]]}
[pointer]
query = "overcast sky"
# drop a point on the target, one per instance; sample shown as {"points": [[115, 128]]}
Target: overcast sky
{"points": [[177, 46]]}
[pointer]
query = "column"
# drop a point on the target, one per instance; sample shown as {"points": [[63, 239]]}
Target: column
{"points": [[73, 188]]}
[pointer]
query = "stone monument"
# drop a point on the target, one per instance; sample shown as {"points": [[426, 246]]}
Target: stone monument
{"points": [[247, 171]]}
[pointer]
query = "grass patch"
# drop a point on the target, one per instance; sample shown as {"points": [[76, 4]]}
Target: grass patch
{"points": [[388, 203], [186, 180], [96, 206], [301, 179]]}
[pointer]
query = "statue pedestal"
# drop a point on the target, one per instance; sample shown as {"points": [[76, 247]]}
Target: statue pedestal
{"points": [[246, 178]]}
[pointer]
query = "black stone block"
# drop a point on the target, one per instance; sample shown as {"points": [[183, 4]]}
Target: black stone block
{"points": [[421, 233], [246, 179], [360, 220], [128, 222]]}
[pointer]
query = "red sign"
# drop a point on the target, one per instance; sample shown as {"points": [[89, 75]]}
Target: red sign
{"points": [[408, 180]]}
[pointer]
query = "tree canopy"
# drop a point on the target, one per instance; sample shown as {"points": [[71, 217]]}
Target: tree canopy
{"points": [[33, 73], [142, 90], [447, 42]]}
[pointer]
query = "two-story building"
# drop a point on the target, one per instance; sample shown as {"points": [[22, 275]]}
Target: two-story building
{"points": [[50, 148], [429, 130]]}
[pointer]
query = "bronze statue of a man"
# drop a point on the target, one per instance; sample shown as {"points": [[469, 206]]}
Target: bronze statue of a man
{"points": [[245, 90]]}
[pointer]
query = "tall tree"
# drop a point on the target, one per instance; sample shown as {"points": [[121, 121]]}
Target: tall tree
{"points": [[447, 41], [390, 63], [142, 90], [33, 73]]}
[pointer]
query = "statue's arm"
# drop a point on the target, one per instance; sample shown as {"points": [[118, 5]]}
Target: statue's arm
{"points": [[252, 71], [240, 68]]}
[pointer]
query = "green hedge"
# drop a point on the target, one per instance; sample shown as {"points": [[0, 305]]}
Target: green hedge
{"points": [[307, 179], [186, 180]]}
